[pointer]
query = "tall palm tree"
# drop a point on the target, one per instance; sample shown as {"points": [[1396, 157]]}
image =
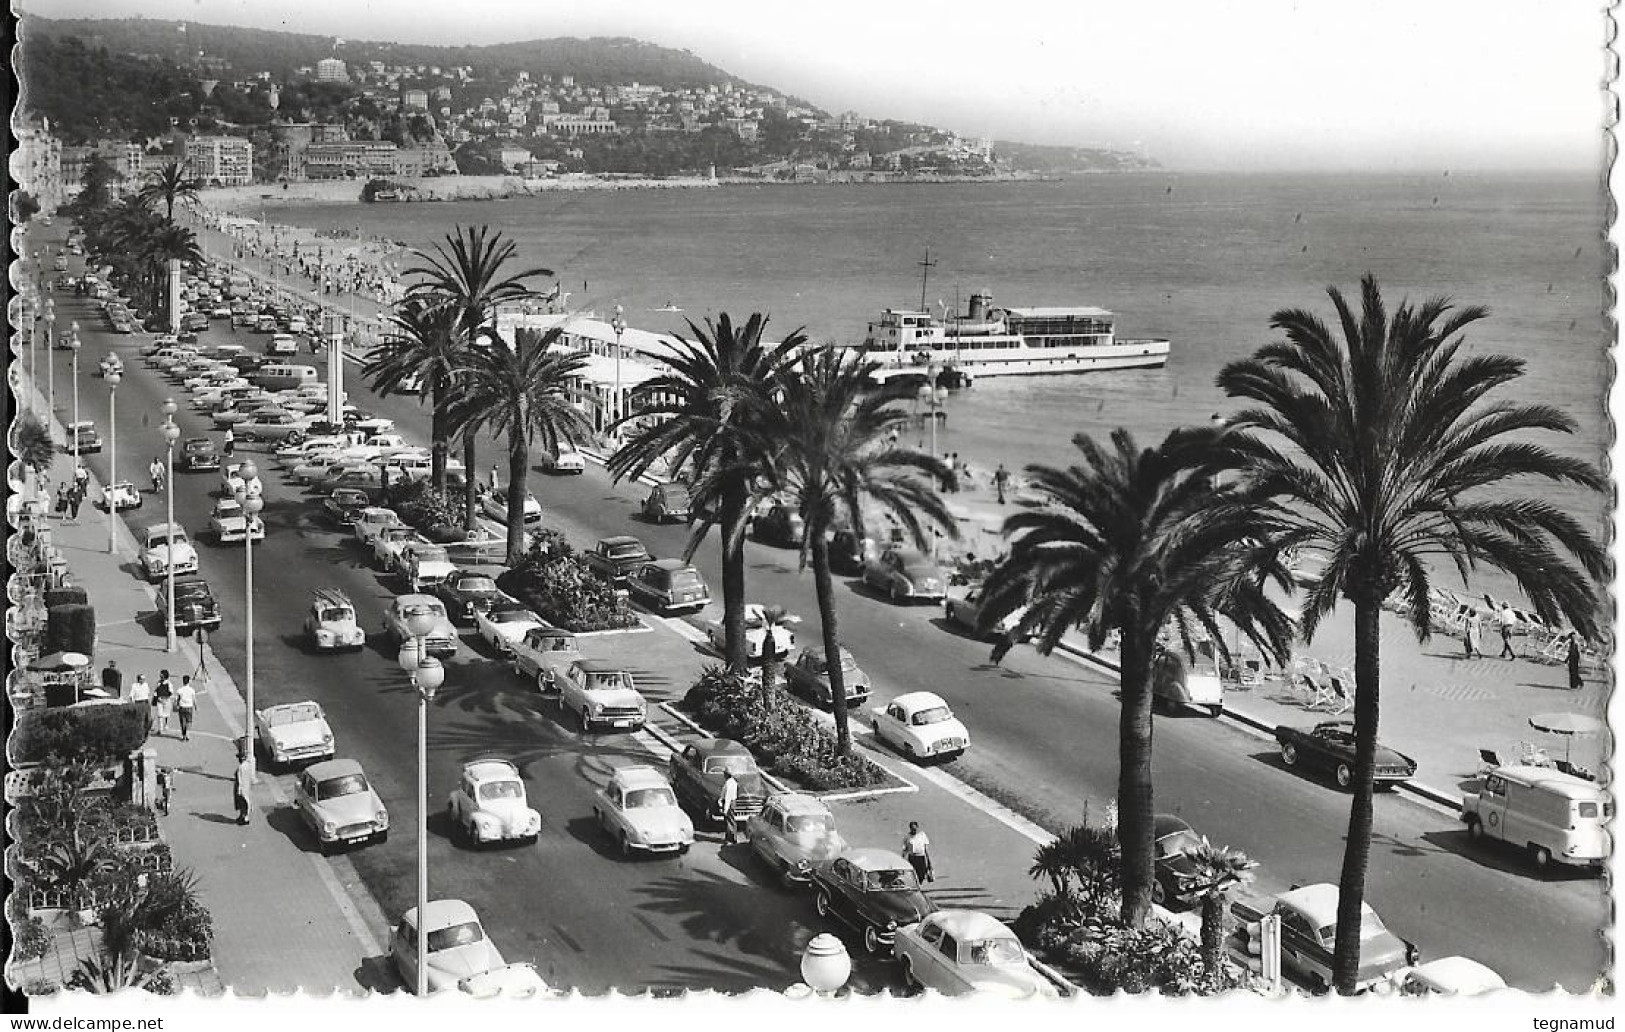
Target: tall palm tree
{"points": [[519, 390], [421, 343], [1391, 446], [701, 416], [471, 272], [168, 242], [170, 183], [1216, 871], [833, 458], [1136, 541]]}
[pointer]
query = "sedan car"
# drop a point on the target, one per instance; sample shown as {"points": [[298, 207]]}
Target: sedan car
{"points": [[1329, 748], [966, 611], [568, 459], [544, 655], [195, 605], [1174, 873], [779, 525], [1447, 976], [1309, 932], [459, 954], [601, 695], [905, 574], [872, 890], [83, 438], [698, 771], [467, 592], [371, 521], [921, 726], [121, 495], [638, 811], [667, 502], [440, 642], [229, 523], [667, 586], [335, 799], [495, 505], [198, 453], [808, 674], [850, 552], [757, 625], [504, 623], [488, 805], [344, 506], [331, 623], [294, 732], [957, 952], [793, 833]]}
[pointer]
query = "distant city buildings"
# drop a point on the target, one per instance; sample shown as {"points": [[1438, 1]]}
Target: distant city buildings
{"points": [[331, 69], [37, 165], [220, 160]]}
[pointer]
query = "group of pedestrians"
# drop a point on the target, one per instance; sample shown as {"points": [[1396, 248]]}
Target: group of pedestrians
{"points": [[70, 494], [1506, 622], [165, 700]]}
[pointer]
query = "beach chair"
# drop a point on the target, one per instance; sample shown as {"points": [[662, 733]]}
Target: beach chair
{"points": [[1342, 696], [1310, 677], [1555, 650], [1488, 760], [1252, 675], [1532, 755]]}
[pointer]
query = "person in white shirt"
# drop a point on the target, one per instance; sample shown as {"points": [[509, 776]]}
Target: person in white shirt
{"points": [[141, 692], [1507, 620], [730, 795], [186, 706], [917, 851]]}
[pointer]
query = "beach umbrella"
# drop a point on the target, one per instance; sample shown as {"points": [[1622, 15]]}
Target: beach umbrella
{"points": [[1569, 725]]}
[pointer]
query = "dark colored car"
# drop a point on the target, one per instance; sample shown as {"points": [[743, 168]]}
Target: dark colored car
{"points": [[1174, 871], [247, 363], [849, 551], [1329, 748], [195, 605], [198, 453], [466, 592], [779, 525], [667, 502], [342, 505], [808, 674], [613, 558], [696, 776], [873, 890], [668, 585]]}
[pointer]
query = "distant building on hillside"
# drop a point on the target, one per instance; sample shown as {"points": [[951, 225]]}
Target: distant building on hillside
{"points": [[220, 160], [331, 69], [418, 99], [578, 125], [39, 165], [352, 159], [124, 157], [425, 159]]}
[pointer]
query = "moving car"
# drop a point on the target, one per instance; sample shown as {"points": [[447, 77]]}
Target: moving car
{"points": [[340, 806], [667, 502], [83, 439], [331, 622], [1328, 747], [122, 496], [872, 890], [957, 952], [637, 809], [667, 586], [756, 628], [505, 622], [164, 545], [613, 558], [459, 954], [441, 641], [966, 611], [903, 573], [495, 505], [371, 521], [110, 363], [344, 506], [568, 459], [1447, 976], [780, 525], [849, 552], [793, 833], [273, 425], [1556, 816], [1309, 932], [488, 805], [293, 732], [808, 674], [921, 726], [466, 592], [1174, 873], [601, 694], [423, 565], [198, 453], [195, 605], [545, 654], [390, 543], [229, 523], [1180, 680], [697, 772]]}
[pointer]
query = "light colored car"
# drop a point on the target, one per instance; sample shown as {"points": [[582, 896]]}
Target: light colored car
{"points": [[231, 480], [966, 611], [638, 811], [601, 694], [389, 544], [229, 524], [568, 459], [488, 805], [793, 833], [756, 627], [274, 425], [808, 674], [110, 363], [903, 574], [83, 438], [957, 952], [1309, 932], [544, 655], [164, 545], [294, 732], [316, 465], [921, 726], [459, 954], [331, 622], [371, 521], [506, 623], [122, 496], [495, 505], [339, 804], [294, 454], [423, 566], [1447, 976], [441, 641]]}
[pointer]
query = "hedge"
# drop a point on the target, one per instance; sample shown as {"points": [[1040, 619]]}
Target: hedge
{"points": [[559, 588], [68, 594], [95, 734], [71, 628]]}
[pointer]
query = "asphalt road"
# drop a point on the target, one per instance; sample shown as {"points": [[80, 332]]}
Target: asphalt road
{"points": [[1044, 733]]}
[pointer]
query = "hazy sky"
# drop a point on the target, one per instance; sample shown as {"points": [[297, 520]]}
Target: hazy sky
{"points": [[1201, 84]]}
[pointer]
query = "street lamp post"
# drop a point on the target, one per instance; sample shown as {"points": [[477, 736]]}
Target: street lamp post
{"points": [[113, 378], [933, 396], [172, 433], [618, 324], [427, 674], [73, 343], [250, 497], [50, 362]]}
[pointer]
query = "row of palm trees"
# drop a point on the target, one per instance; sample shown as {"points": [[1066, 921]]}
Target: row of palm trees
{"points": [[1384, 447], [136, 239]]}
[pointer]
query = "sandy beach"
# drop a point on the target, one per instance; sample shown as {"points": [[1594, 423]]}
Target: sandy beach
{"points": [[415, 189]]}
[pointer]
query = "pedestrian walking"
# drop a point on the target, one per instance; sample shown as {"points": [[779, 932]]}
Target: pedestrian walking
{"points": [[113, 680], [412, 569], [730, 795], [1474, 637], [166, 789], [493, 476], [186, 706], [155, 469], [141, 692], [81, 478], [1001, 480], [230, 444], [1506, 619], [163, 701], [917, 851], [62, 503], [241, 782], [1576, 682], [76, 498]]}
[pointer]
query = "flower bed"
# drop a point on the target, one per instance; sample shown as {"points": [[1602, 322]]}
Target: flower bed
{"points": [[784, 737], [559, 588]]}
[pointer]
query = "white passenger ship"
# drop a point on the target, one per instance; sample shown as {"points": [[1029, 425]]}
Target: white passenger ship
{"points": [[990, 341]]}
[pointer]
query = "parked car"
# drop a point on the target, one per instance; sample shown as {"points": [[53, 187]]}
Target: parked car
{"points": [[344, 506], [466, 592], [421, 566], [121, 496], [459, 954], [195, 321], [164, 545], [568, 459], [905, 574], [601, 694], [1328, 747], [441, 641], [614, 558], [195, 605], [371, 521], [505, 623], [667, 586], [1309, 932], [110, 363], [545, 654], [389, 544], [1555, 816], [83, 438], [331, 622], [958, 952], [273, 425], [229, 523], [872, 890], [637, 809], [793, 833], [921, 726], [489, 805], [339, 804], [756, 626], [850, 552], [1447, 976], [495, 505], [697, 772], [198, 453], [808, 674], [779, 524], [294, 732], [1174, 870], [966, 611], [667, 502]]}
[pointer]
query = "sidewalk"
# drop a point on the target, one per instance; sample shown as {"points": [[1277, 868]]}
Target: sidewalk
{"points": [[282, 920]]}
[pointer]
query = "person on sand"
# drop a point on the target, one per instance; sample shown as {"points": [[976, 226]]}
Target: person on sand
{"points": [[1001, 481], [1576, 682]]}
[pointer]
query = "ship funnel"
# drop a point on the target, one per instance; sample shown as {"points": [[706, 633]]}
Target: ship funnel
{"points": [[981, 304]]}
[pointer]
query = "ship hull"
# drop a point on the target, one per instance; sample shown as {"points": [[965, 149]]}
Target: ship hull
{"points": [[1122, 354]]}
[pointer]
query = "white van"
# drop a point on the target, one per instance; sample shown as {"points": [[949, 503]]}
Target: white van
{"points": [[280, 377], [1557, 817]]}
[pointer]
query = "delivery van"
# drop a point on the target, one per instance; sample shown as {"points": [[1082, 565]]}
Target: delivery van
{"points": [[1177, 680], [1557, 817], [279, 376]]}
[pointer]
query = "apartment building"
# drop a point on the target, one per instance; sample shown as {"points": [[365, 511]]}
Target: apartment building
{"points": [[220, 160]]}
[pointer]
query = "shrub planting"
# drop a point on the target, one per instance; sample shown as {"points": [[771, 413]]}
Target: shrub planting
{"points": [[422, 508], [69, 594], [71, 628], [559, 588], [96, 734]]}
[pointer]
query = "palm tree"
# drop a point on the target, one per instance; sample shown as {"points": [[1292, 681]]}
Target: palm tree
{"points": [[1138, 542], [1216, 870], [172, 182], [169, 242], [31, 443], [833, 458], [776, 629], [421, 344], [469, 272], [1391, 442], [701, 417], [519, 390]]}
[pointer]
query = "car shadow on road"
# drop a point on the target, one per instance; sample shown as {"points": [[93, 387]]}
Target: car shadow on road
{"points": [[711, 908], [1505, 858], [286, 821], [378, 975]]}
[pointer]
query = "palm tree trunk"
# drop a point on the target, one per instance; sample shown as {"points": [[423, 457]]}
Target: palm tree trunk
{"points": [[1357, 846], [734, 496], [518, 466], [825, 588], [1213, 920], [1134, 830], [439, 446], [469, 480]]}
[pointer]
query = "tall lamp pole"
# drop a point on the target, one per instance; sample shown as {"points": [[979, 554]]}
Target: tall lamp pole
{"points": [[427, 674], [249, 496], [113, 377], [73, 343], [172, 433], [933, 396], [50, 362], [618, 324]]}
